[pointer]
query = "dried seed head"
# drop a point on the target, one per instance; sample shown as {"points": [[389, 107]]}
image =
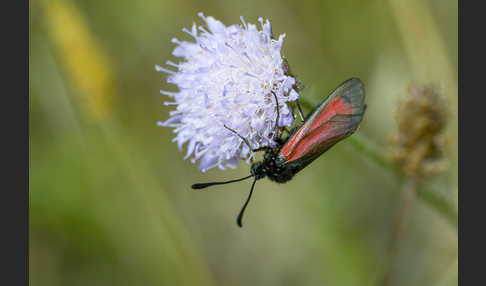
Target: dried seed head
{"points": [[417, 147]]}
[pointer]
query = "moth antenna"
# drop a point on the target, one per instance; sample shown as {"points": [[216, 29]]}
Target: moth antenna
{"points": [[205, 185], [278, 110], [240, 215]]}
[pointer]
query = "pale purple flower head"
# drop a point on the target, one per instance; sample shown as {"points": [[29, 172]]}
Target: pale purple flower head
{"points": [[227, 77]]}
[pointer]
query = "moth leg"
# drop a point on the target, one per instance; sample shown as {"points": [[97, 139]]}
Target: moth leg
{"points": [[265, 148], [300, 110], [278, 111], [246, 141], [242, 138], [252, 160]]}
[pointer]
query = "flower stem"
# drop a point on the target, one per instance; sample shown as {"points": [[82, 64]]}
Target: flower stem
{"points": [[430, 197], [439, 203], [370, 149], [403, 216]]}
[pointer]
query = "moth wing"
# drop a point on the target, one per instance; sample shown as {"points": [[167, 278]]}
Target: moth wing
{"points": [[335, 118]]}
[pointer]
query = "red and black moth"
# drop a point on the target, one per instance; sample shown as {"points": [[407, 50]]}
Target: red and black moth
{"points": [[334, 119]]}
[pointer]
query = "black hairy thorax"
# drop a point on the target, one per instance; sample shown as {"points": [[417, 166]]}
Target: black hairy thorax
{"points": [[273, 166]]}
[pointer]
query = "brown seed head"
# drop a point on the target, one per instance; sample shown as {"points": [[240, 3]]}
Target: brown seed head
{"points": [[417, 147]]}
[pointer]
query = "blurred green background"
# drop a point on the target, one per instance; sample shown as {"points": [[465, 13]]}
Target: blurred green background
{"points": [[110, 197]]}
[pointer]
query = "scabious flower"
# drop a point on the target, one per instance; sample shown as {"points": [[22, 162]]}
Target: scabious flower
{"points": [[229, 77]]}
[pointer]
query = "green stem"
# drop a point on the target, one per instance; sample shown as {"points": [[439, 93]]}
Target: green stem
{"points": [[439, 203], [432, 198], [404, 213], [370, 149]]}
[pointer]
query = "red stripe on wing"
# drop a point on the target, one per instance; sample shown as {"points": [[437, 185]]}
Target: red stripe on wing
{"points": [[332, 124], [336, 106]]}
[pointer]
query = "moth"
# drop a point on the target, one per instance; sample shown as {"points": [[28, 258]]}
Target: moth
{"points": [[335, 118]]}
